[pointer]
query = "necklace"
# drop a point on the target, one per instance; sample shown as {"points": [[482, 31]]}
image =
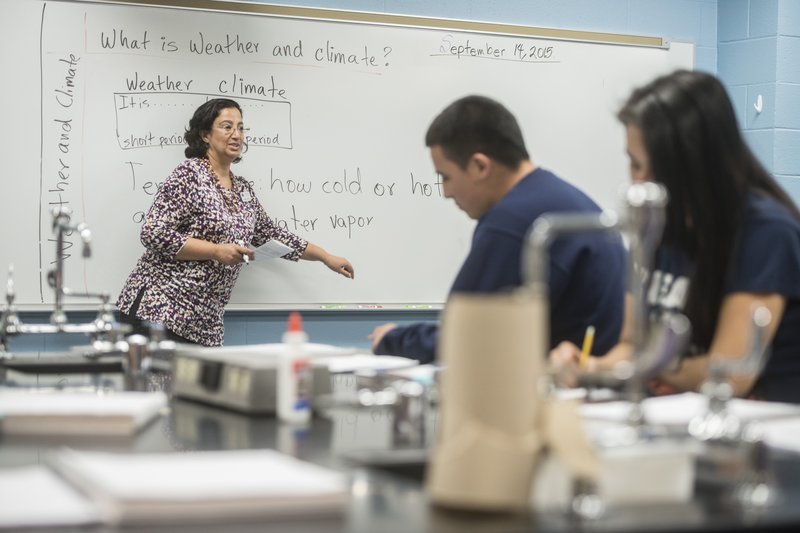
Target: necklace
{"points": [[216, 176], [228, 195]]}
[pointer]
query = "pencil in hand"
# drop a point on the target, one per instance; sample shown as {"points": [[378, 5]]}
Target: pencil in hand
{"points": [[586, 349]]}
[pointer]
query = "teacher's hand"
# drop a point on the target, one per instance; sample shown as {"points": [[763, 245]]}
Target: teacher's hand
{"points": [[232, 254], [340, 265]]}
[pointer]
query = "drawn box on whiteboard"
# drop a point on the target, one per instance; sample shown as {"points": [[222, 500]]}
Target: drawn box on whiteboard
{"points": [[159, 119]]}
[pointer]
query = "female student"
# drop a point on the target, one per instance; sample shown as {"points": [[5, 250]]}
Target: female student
{"points": [[731, 238]]}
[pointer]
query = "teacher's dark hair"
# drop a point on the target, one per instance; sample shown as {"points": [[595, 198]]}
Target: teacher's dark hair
{"points": [[201, 123], [697, 152], [477, 124]]}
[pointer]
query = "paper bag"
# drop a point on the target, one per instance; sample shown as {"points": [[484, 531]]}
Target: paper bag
{"points": [[494, 350]]}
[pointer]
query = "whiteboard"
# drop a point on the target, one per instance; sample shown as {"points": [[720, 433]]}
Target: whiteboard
{"points": [[336, 110]]}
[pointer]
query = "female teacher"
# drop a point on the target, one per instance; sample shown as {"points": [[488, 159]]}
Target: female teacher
{"points": [[731, 238], [195, 231]]}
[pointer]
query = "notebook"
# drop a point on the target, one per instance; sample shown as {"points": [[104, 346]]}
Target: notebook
{"points": [[221, 486], [28, 412]]}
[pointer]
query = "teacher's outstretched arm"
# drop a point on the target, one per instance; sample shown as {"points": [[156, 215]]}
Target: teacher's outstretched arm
{"points": [[340, 265]]}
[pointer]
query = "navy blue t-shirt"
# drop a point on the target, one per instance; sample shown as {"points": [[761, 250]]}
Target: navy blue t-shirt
{"points": [[768, 262], [587, 271]]}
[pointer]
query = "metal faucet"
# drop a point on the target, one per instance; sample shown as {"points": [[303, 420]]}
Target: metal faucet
{"points": [[10, 319], [645, 212], [645, 203], [409, 401], [536, 258], [735, 447], [62, 225], [104, 329], [642, 225], [718, 423]]}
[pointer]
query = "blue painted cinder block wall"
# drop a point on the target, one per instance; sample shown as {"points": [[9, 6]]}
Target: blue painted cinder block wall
{"points": [[759, 54], [695, 21]]}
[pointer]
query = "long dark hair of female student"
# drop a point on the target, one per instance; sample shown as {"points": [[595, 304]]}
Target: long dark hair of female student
{"points": [[696, 151]]}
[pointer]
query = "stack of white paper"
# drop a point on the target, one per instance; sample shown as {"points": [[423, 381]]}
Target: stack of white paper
{"points": [[77, 413], [33, 496], [203, 486], [271, 250], [273, 349], [365, 361], [783, 433], [679, 409]]}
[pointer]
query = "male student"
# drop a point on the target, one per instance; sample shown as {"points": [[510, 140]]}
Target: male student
{"points": [[478, 150]]}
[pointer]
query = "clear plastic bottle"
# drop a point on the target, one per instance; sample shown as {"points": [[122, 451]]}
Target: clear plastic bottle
{"points": [[294, 374]]}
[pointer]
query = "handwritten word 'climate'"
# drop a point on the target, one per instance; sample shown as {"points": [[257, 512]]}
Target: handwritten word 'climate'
{"points": [[65, 93], [237, 85], [330, 54]]}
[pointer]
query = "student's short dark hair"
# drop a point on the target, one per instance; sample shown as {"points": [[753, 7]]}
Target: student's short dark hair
{"points": [[201, 123], [477, 124]]}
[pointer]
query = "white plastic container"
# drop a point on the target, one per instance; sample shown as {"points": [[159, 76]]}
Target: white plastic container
{"points": [[294, 375]]}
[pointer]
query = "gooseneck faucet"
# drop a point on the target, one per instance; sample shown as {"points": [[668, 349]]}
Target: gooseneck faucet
{"points": [[61, 226], [103, 328], [642, 226]]}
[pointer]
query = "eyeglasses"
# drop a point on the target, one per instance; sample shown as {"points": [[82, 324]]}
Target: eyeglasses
{"points": [[228, 129]]}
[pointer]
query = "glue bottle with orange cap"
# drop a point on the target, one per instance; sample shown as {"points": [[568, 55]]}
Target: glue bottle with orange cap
{"points": [[294, 374]]}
